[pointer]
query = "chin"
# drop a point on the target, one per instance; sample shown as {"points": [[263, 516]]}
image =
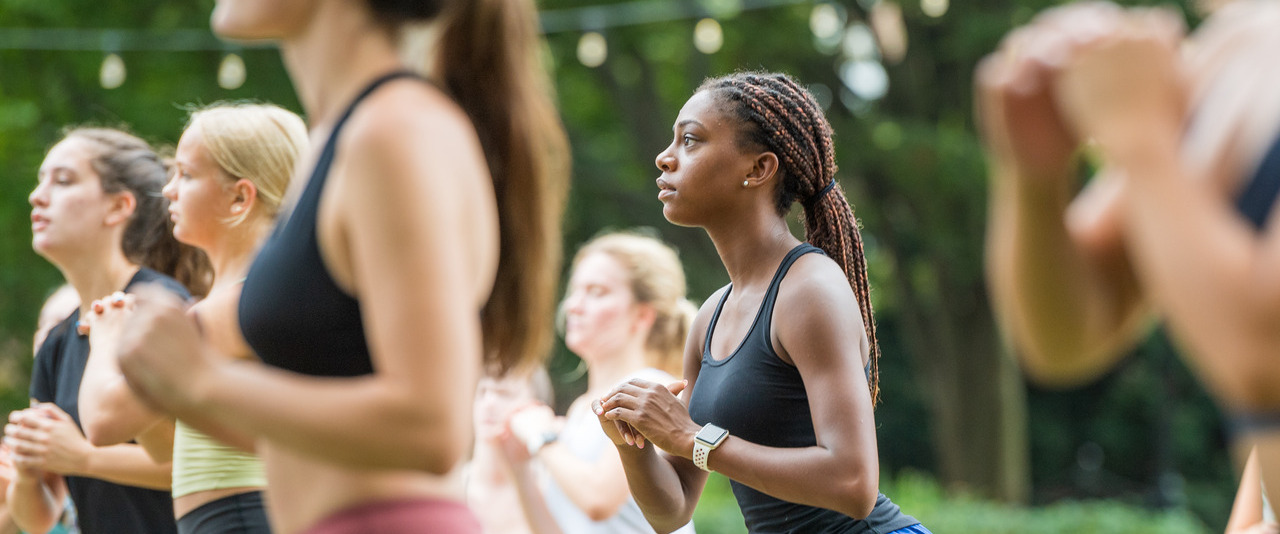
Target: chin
{"points": [[246, 21], [674, 216]]}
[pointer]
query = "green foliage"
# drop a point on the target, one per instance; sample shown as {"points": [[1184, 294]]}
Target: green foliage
{"points": [[921, 497]]}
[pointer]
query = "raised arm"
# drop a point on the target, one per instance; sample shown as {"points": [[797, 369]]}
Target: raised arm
{"points": [[1062, 288], [415, 232], [1211, 274], [109, 411]]}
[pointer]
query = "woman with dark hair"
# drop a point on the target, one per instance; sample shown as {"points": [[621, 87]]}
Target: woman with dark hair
{"points": [[781, 367], [98, 215], [424, 242]]}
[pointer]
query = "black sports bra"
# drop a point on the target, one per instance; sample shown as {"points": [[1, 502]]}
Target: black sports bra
{"points": [[291, 311], [1259, 196]]}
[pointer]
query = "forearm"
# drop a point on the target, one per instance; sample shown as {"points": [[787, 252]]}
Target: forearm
{"points": [[813, 476], [357, 422], [1247, 508], [598, 492], [532, 502], [1211, 274], [33, 505], [109, 411], [666, 498], [1067, 315], [7, 526], [127, 464]]}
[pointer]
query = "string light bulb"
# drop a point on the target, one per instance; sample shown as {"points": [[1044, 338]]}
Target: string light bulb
{"points": [[112, 73], [592, 49], [708, 37]]}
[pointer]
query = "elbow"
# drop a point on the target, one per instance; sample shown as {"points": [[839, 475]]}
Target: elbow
{"points": [[438, 444], [100, 433], [857, 497], [601, 511]]}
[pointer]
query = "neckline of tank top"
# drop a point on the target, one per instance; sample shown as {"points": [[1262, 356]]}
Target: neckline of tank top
{"points": [[791, 257]]}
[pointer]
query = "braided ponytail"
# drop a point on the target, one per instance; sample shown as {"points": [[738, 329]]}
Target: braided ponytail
{"points": [[780, 116]]}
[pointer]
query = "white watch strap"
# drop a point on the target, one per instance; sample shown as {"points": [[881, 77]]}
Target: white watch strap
{"points": [[700, 454]]}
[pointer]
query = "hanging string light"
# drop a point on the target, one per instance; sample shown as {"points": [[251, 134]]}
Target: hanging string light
{"points": [[592, 49], [231, 72], [934, 8], [708, 37], [112, 73]]}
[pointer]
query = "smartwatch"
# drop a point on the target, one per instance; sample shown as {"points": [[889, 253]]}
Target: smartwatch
{"points": [[706, 440], [541, 441]]}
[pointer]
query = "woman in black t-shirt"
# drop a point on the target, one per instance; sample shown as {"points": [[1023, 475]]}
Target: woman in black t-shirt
{"points": [[97, 214]]}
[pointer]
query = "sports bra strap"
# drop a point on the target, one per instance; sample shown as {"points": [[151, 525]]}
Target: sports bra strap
{"points": [[1259, 196]]}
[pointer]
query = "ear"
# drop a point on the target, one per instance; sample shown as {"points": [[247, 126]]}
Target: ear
{"points": [[244, 196], [645, 316], [123, 204], [764, 169]]}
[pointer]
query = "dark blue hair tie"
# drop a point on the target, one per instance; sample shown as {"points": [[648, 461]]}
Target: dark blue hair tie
{"points": [[818, 196]]}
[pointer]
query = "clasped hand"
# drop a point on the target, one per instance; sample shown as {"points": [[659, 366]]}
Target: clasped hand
{"points": [[638, 410]]}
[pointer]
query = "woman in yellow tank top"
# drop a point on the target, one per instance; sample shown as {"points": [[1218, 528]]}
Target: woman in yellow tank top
{"points": [[233, 165]]}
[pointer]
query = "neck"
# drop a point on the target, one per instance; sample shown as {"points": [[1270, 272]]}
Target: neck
{"points": [[751, 249], [484, 464], [97, 276], [336, 56], [232, 254], [607, 371]]}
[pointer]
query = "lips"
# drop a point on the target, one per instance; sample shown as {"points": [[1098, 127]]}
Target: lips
{"points": [[665, 189], [38, 222]]}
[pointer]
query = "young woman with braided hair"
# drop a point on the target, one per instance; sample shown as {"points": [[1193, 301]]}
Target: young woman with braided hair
{"points": [[780, 367]]}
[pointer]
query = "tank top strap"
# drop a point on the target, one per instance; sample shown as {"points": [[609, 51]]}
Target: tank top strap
{"points": [[330, 144], [765, 317], [765, 313], [1259, 196]]}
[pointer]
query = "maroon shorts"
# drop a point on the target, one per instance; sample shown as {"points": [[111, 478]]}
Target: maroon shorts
{"points": [[400, 517]]}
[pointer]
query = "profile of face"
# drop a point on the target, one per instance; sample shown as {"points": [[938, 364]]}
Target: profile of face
{"points": [[201, 196], [260, 19], [496, 400], [70, 212], [600, 310], [704, 165]]}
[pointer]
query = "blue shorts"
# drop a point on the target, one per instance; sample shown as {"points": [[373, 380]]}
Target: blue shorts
{"points": [[913, 529]]}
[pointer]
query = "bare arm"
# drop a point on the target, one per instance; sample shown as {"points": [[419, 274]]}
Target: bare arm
{"points": [[109, 411], [422, 263], [598, 488], [35, 500], [1210, 273], [1246, 512], [1061, 284], [664, 486]]}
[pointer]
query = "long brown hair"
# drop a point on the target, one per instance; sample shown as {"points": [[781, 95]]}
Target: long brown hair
{"points": [[487, 58], [779, 115], [125, 163]]}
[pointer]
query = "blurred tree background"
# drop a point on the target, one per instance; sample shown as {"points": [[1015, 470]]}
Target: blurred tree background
{"points": [[962, 436]]}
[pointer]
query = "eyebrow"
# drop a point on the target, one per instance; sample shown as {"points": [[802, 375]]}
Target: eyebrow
{"points": [[54, 169], [687, 122]]}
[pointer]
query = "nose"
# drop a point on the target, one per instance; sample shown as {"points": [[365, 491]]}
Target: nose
{"points": [[37, 196], [573, 303], [666, 160], [170, 190]]}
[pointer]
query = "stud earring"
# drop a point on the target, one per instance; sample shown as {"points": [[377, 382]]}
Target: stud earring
{"points": [[745, 183]]}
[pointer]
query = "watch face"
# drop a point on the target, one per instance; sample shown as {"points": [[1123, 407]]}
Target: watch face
{"points": [[711, 434]]}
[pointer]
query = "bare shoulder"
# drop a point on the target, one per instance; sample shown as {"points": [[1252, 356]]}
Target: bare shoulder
{"points": [[219, 321], [409, 124], [815, 282], [698, 329]]}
